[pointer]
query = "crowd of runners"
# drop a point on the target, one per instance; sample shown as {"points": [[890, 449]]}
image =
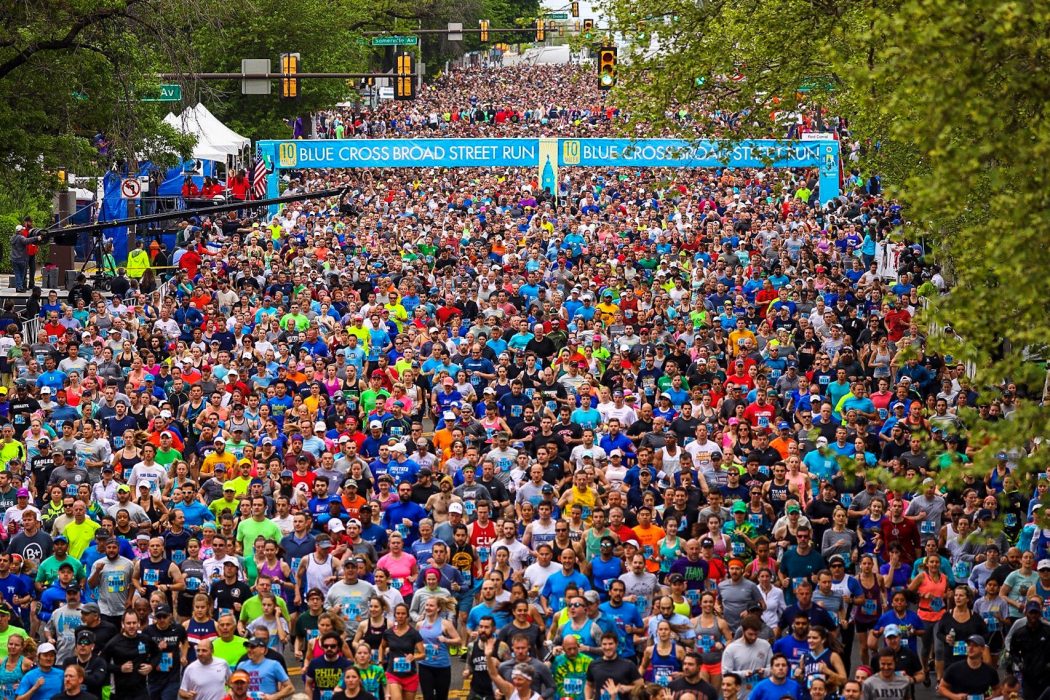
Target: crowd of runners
{"points": [[630, 439]]}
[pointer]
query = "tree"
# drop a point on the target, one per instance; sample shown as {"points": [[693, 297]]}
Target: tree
{"points": [[950, 98], [70, 79]]}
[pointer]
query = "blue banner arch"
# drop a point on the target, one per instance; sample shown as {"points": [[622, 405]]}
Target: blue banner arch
{"points": [[586, 152]]}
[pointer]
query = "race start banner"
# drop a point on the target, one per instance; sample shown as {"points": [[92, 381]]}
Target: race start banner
{"points": [[537, 153]]}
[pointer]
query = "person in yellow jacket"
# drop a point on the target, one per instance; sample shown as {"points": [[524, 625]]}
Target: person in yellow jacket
{"points": [[138, 261], [10, 448]]}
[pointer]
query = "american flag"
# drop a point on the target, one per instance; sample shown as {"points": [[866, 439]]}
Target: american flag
{"points": [[259, 178]]}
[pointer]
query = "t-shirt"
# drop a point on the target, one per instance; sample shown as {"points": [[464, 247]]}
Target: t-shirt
{"points": [[201, 678], [326, 675], [702, 688], [623, 672], [252, 608], [768, 690], [897, 687], [265, 677], [961, 678], [250, 529], [52, 683], [231, 651]]}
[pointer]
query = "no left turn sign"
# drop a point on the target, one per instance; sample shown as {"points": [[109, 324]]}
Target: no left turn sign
{"points": [[130, 189]]}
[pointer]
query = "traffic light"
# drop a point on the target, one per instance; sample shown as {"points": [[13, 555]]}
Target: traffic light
{"points": [[539, 30], [606, 67], [289, 67], [405, 78], [484, 30], [575, 9], [588, 29]]}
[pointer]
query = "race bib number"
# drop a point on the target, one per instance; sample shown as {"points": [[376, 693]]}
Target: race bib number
{"points": [[936, 604], [431, 651], [959, 648], [402, 665], [706, 642], [573, 687], [846, 500], [166, 661], [869, 607], [151, 577], [991, 622], [662, 676]]}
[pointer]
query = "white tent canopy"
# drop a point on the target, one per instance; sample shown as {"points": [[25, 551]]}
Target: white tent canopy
{"points": [[215, 140]]}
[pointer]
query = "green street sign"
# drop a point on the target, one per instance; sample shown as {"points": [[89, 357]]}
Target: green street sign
{"points": [[395, 41], [168, 93], [557, 15]]}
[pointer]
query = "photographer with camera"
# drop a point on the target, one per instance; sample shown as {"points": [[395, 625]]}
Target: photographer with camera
{"points": [[24, 247]]}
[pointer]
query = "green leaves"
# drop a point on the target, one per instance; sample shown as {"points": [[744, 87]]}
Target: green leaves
{"points": [[953, 94]]}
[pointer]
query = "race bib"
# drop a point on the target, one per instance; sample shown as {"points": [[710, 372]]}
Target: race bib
{"points": [[402, 665], [846, 500], [991, 622], [431, 651], [959, 648], [869, 607], [706, 642], [165, 661], [662, 676], [936, 604], [573, 687]]}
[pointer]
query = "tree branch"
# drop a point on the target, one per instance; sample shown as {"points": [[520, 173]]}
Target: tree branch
{"points": [[67, 42]]}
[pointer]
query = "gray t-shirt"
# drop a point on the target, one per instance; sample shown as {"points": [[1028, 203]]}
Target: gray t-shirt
{"points": [[114, 584], [350, 599], [737, 598], [896, 688]]}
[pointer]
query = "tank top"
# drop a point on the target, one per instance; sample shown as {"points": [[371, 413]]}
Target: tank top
{"points": [[706, 638], [662, 666], [316, 573], [669, 553], [275, 573], [436, 652], [871, 609], [192, 413], [799, 482], [758, 520], [671, 463], [542, 534], [152, 512], [128, 463], [193, 573], [592, 543], [373, 635], [778, 496], [197, 632], [932, 609], [811, 664], [481, 538], [10, 680], [154, 573], [881, 364]]}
